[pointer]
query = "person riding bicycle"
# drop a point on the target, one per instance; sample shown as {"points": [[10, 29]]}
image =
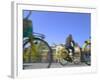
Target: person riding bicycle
{"points": [[69, 44], [86, 48], [86, 43]]}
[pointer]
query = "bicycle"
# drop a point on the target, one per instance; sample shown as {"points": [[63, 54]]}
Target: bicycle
{"points": [[79, 53], [34, 45], [65, 56]]}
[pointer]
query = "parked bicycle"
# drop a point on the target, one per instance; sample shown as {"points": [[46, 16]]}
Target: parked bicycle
{"points": [[34, 45]]}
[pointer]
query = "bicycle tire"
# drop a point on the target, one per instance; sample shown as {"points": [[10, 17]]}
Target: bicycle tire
{"points": [[50, 58]]}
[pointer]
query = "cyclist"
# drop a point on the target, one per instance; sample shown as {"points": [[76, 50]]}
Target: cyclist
{"points": [[86, 50], [69, 44]]}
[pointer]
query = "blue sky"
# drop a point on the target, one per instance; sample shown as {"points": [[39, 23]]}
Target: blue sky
{"points": [[56, 26]]}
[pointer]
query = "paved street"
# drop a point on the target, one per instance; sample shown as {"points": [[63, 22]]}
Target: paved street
{"points": [[53, 65]]}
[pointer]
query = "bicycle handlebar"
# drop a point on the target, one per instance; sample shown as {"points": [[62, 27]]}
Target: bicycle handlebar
{"points": [[28, 15], [39, 35]]}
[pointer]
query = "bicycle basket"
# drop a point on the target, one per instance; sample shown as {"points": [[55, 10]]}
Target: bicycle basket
{"points": [[27, 28]]}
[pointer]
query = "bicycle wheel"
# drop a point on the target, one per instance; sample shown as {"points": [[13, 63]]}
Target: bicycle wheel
{"points": [[65, 58], [40, 53]]}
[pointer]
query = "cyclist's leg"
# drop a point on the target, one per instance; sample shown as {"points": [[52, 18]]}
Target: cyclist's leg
{"points": [[67, 48], [70, 47]]}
